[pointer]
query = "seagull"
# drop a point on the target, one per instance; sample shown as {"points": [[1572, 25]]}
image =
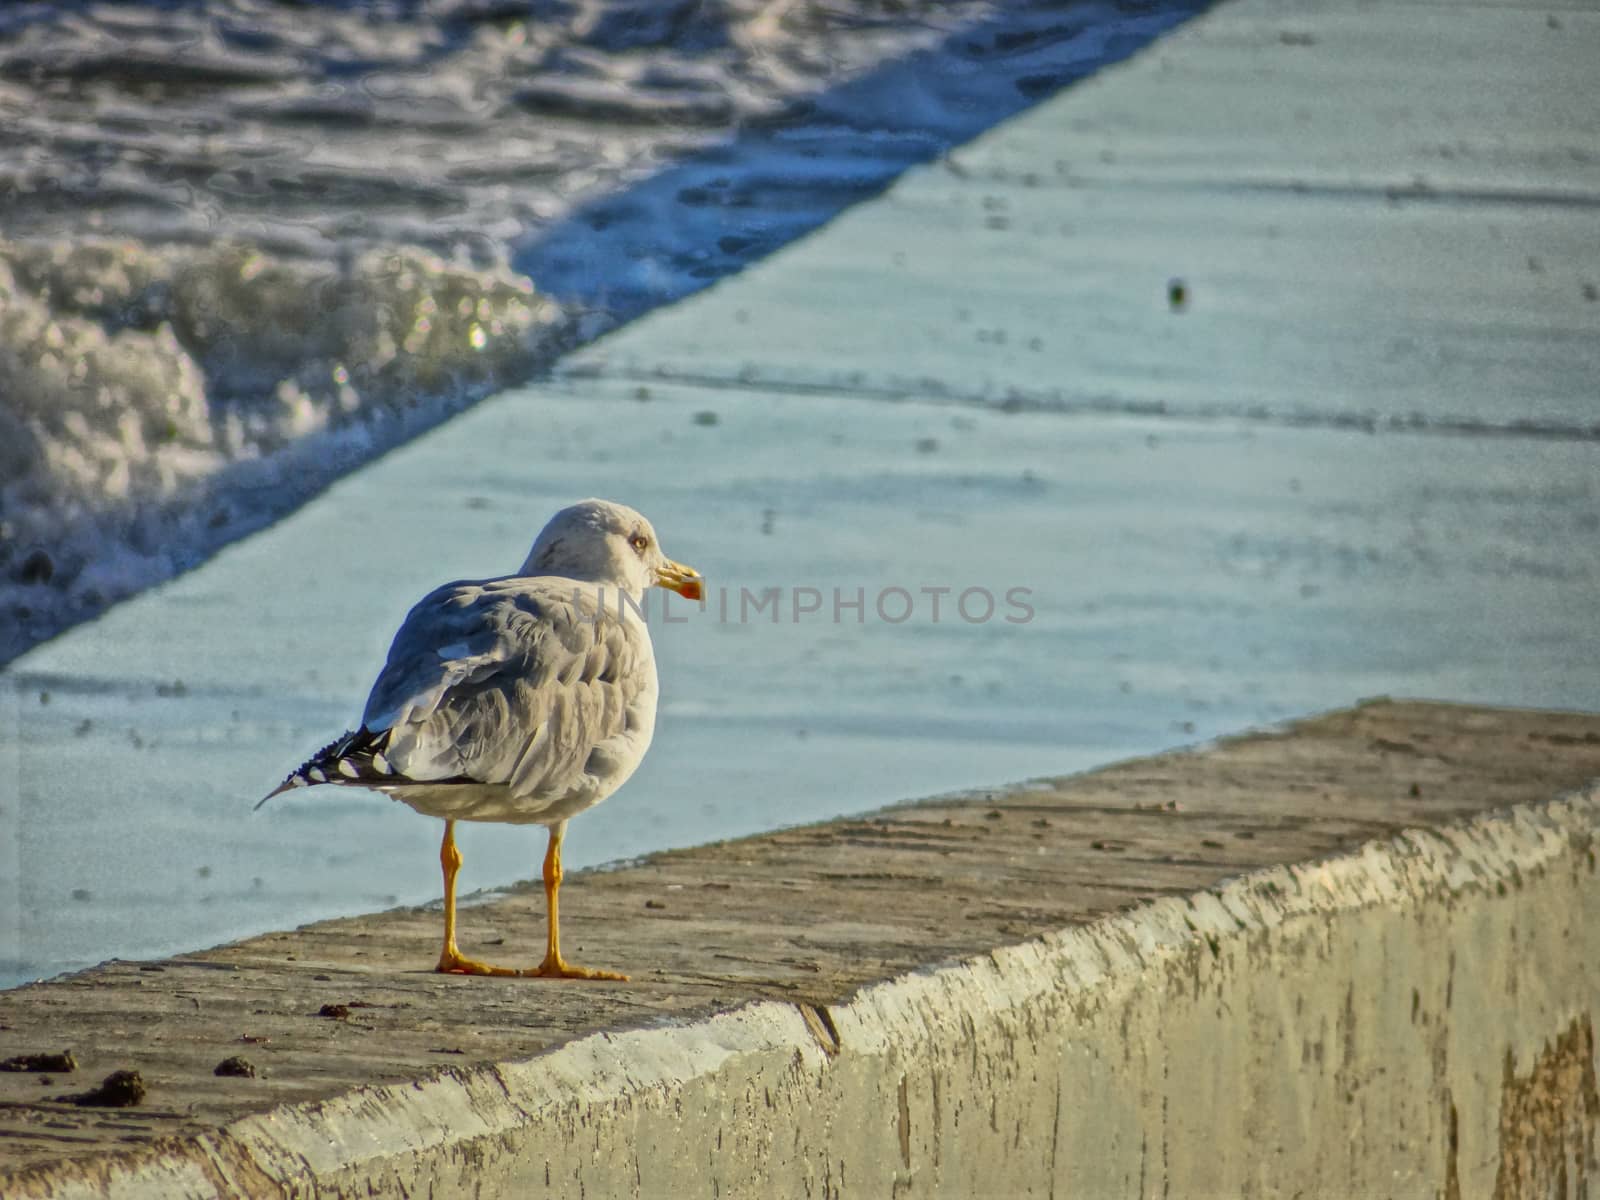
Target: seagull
{"points": [[523, 699]]}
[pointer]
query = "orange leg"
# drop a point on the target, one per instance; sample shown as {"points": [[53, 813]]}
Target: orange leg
{"points": [[451, 960], [554, 966]]}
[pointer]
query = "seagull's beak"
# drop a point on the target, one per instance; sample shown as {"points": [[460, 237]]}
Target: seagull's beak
{"points": [[676, 577]]}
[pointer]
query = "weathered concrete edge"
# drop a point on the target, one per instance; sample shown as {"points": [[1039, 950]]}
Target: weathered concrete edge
{"points": [[387, 1139]]}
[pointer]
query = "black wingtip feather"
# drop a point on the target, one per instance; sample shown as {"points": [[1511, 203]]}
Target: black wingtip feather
{"points": [[348, 759]]}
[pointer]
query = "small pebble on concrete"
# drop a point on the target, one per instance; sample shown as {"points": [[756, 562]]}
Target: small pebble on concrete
{"points": [[40, 1062], [120, 1089]]}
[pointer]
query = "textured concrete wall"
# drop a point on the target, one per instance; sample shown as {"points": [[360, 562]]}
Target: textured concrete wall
{"points": [[1414, 1019]]}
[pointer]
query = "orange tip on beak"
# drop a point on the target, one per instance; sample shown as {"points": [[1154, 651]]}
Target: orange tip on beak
{"points": [[686, 581]]}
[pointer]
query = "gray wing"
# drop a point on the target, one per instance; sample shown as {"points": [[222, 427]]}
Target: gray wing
{"points": [[511, 681]]}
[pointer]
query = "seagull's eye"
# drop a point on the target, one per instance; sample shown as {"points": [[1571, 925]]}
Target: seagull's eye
{"points": [[639, 542]]}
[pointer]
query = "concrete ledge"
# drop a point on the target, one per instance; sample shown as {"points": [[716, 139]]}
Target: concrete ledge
{"points": [[1345, 958]]}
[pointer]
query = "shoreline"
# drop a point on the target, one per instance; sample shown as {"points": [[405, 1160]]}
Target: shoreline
{"points": [[296, 245]]}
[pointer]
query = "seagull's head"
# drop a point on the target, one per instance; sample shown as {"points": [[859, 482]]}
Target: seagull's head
{"points": [[600, 541]]}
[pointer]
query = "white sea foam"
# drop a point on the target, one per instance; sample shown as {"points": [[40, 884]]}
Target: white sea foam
{"points": [[160, 401]]}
